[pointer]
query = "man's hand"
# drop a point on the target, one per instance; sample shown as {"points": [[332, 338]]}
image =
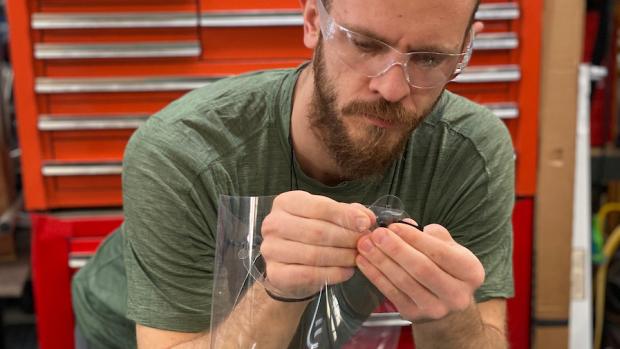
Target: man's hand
{"points": [[425, 274], [310, 240]]}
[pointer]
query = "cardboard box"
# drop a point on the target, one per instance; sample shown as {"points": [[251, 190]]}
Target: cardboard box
{"points": [[562, 53], [551, 337]]}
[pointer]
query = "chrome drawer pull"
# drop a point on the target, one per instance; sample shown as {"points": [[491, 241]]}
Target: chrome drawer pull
{"points": [[251, 19], [504, 110], [81, 169], [92, 85], [77, 261], [496, 41], [67, 123], [117, 20], [385, 320], [498, 12], [501, 73], [121, 50]]}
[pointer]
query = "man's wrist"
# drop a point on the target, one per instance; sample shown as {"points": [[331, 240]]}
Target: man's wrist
{"points": [[291, 300]]}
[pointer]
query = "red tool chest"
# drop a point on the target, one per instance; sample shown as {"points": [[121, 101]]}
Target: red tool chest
{"points": [[88, 73]]}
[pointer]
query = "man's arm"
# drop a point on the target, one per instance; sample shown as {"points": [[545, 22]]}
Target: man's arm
{"points": [[272, 325], [480, 326], [308, 241], [431, 280]]}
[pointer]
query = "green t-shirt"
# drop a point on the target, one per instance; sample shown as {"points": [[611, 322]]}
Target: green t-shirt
{"points": [[231, 138]]}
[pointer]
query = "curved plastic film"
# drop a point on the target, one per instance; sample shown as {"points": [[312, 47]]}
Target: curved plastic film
{"points": [[388, 209], [242, 315]]}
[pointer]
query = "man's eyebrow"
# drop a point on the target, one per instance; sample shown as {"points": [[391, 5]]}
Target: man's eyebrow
{"points": [[423, 48]]}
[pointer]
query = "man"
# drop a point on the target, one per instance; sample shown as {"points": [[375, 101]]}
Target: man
{"points": [[362, 120]]}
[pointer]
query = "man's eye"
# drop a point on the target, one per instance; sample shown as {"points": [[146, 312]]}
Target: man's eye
{"points": [[427, 60], [367, 46]]}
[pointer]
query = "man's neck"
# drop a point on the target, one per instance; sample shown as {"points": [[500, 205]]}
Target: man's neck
{"points": [[310, 151]]}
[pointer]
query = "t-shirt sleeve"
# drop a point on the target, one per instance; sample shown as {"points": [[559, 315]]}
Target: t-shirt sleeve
{"points": [[478, 212], [168, 233]]}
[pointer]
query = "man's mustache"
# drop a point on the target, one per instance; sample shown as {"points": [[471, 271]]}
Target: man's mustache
{"points": [[382, 110]]}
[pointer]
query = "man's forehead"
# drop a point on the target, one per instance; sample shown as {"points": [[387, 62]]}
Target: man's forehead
{"points": [[422, 22], [405, 8]]}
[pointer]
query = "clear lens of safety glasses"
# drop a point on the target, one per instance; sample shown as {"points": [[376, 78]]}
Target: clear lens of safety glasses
{"points": [[372, 57]]}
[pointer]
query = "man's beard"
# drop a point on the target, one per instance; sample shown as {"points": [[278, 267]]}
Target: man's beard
{"points": [[358, 158]]}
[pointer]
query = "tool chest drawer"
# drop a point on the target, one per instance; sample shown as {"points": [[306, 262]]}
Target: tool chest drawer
{"points": [[70, 185], [249, 5], [113, 5], [85, 145], [252, 29], [255, 42], [67, 140]]}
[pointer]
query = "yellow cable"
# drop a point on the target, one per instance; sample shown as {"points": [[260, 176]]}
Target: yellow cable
{"points": [[601, 279], [606, 209]]}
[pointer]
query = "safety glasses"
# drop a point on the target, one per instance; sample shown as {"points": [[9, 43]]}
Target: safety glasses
{"points": [[372, 57]]}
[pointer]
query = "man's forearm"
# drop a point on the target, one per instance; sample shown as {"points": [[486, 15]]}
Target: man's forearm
{"points": [[257, 320], [459, 330]]}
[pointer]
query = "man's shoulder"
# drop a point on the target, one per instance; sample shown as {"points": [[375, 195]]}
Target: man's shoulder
{"points": [[230, 97], [216, 119], [463, 114], [471, 121]]}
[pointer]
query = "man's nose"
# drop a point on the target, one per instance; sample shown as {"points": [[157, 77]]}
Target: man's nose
{"points": [[392, 85]]}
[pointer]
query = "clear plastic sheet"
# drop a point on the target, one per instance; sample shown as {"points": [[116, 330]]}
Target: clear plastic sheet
{"points": [[336, 318]]}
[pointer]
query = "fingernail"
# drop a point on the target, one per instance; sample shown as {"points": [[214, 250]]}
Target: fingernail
{"points": [[395, 227], [350, 273], [362, 223], [379, 236], [361, 261], [366, 245]]}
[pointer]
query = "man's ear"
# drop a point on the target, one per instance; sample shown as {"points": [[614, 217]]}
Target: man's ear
{"points": [[478, 27], [312, 26]]}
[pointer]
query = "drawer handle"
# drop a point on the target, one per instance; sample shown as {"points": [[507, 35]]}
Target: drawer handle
{"points": [[130, 50], [81, 169], [77, 261], [504, 110], [81, 123], [498, 12], [92, 85], [385, 320], [117, 20], [251, 19], [496, 41], [502, 73]]}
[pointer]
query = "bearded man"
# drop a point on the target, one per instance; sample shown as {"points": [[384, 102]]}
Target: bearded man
{"points": [[368, 116]]}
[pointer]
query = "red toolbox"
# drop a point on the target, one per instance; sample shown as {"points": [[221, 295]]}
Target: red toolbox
{"points": [[87, 73]]}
